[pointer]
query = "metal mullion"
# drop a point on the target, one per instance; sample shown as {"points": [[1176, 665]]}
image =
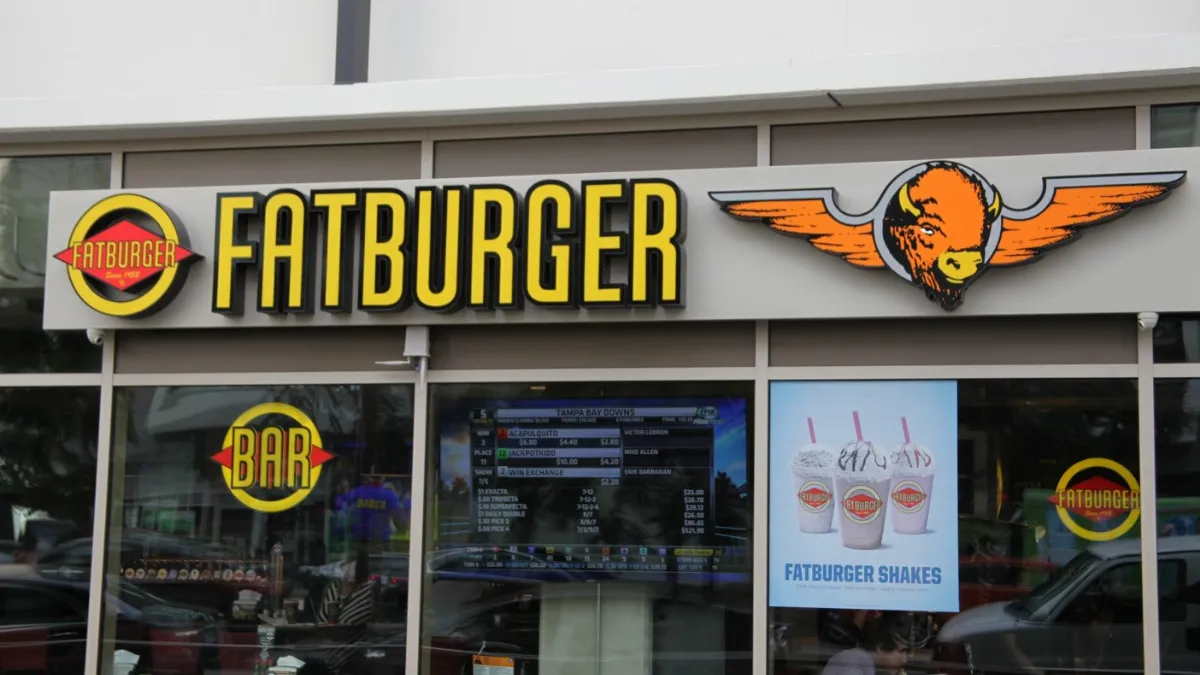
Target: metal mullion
{"points": [[955, 372], [759, 561], [259, 379], [1176, 371], [100, 509], [1148, 498], [592, 374], [416, 538]]}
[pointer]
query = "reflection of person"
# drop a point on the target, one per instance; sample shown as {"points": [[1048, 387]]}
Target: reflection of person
{"points": [[27, 552], [883, 649], [349, 601], [372, 509]]}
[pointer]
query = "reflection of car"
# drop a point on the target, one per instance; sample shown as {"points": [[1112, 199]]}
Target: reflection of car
{"points": [[72, 559], [45, 626], [1091, 608], [982, 581]]}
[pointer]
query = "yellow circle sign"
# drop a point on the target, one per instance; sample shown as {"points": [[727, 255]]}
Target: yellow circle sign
{"points": [[1097, 499], [272, 458], [120, 268]]}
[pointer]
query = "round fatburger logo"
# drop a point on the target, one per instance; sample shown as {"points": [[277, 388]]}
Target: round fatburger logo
{"points": [[127, 257], [861, 504], [1092, 494], [814, 496], [271, 457], [908, 496]]}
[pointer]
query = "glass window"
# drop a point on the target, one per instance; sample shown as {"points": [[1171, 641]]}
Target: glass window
{"points": [[1177, 469], [47, 497], [589, 528], [1174, 126], [25, 187], [251, 516], [1177, 339], [1040, 589]]}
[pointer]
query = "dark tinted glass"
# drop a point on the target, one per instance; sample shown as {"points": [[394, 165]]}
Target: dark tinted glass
{"points": [[25, 187], [1177, 468], [47, 497], [1175, 126], [1177, 339], [588, 527], [252, 516]]}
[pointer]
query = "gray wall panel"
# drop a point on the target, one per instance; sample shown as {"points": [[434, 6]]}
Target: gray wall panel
{"points": [[598, 153], [952, 342], [257, 351], [939, 137], [593, 346], [247, 166]]}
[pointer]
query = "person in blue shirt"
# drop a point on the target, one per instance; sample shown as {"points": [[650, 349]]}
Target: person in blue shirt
{"points": [[372, 510]]}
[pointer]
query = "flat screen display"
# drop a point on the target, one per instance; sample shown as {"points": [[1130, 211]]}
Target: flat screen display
{"points": [[578, 489]]}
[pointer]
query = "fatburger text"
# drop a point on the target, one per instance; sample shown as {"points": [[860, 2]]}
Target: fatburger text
{"points": [[123, 255], [1119, 499], [482, 247]]}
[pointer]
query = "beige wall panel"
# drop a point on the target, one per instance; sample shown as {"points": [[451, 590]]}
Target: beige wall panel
{"points": [[258, 351], [952, 342], [953, 137], [578, 345], [249, 166], [597, 153]]}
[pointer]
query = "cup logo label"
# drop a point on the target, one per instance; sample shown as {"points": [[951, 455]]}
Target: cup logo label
{"points": [[861, 504], [908, 496], [814, 496]]}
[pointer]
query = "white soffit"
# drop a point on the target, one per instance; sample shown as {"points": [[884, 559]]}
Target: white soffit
{"points": [[1114, 64]]}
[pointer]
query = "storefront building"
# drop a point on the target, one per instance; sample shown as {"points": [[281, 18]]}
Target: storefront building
{"points": [[771, 388]]}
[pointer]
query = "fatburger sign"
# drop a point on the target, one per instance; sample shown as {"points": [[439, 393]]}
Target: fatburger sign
{"points": [[549, 249], [127, 256], [1095, 492], [272, 456]]}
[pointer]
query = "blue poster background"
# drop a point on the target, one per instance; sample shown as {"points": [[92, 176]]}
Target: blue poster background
{"points": [[908, 572]]}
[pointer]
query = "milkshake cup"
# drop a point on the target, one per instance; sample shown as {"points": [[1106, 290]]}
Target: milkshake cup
{"points": [[912, 485], [812, 482], [862, 484]]}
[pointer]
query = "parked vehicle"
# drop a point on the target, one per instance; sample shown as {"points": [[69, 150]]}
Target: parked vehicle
{"points": [[1087, 616]]}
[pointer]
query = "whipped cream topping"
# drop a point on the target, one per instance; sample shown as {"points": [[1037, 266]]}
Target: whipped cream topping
{"points": [[812, 456], [912, 459], [863, 459]]}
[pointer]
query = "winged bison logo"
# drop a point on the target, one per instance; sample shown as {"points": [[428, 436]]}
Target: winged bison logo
{"points": [[941, 225]]}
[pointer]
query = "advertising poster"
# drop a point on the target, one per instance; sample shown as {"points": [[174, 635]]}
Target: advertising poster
{"points": [[863, 493]]}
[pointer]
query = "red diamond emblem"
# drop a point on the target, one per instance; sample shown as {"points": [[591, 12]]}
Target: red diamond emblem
{"points": [[815, 497], [862, 506], [908, 497], [1097, 499], [124, 255], [316, 457]]}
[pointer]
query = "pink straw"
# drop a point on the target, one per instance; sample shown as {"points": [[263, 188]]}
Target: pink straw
{"points": [[857, 427], [904, 423], [812, 432]]}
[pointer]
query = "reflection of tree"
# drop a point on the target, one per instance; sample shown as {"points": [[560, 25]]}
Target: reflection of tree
{"points": [[733, 507], [48, 450], [38, 351]]}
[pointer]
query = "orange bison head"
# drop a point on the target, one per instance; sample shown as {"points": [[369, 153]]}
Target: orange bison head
{"points": [[937, 225]]}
